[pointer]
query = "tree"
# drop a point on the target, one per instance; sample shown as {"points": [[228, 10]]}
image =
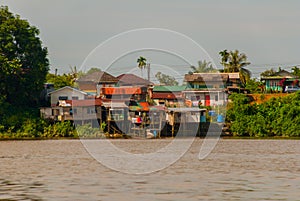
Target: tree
{"points": [[93, 70], [234, 61], [166, 79], [23, 60], [254, 86], [60, 81], [268, 73], [203, 67], [274, 117], [296, 71], [141, 63]]}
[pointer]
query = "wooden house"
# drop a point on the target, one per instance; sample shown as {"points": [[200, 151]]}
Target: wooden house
{"points": [[92, 83], [170, 96], [59, 96], [206, 89], [71, 104], [279, 81]]}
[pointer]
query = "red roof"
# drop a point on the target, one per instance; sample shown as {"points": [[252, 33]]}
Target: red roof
{"points": [[145, 106], [166, 96], [121, 90], [142, 106]]}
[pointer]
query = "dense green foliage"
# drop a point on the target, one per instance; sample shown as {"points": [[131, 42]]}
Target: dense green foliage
{"points": [[254, 86], [66, 79], [275, 117], [36, 128], [296, 71], [87, 131], [23, 68], [32, 128], [23, 61], [60, 81]]}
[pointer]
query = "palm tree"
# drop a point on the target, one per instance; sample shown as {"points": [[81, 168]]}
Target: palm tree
{"points": [[296, 71], [73, 75], [141, 63], [234, 61], [203, 67]]}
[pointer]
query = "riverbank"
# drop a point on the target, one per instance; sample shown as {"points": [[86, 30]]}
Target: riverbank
{"points": [[123, 136]]}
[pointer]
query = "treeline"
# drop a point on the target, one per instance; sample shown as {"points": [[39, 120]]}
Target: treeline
{"points": [[275, 117], [41, 129], [38, 129], [25, 125]]}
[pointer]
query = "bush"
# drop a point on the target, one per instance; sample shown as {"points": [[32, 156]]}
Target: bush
{"points": [[38, 128], [59, 129], [87, 131], [275, 117]]}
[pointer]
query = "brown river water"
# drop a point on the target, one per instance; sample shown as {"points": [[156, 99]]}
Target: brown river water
{"points": [[235, 170]]}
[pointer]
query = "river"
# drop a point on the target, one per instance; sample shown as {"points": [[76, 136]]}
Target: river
{"points": [[235, 170]]}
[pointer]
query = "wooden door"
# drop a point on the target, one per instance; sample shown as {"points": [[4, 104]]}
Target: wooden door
{"points": [[207, 100]]}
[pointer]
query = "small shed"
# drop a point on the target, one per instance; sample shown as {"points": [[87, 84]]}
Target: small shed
{"points": [[115, 114], [66, 93], [187, 117]]}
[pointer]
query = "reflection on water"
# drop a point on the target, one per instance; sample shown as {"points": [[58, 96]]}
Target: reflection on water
{"points": [[236, 170], [20, 191]]}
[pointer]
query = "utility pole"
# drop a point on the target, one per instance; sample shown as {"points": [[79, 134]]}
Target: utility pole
{"points": [[148, 71]]}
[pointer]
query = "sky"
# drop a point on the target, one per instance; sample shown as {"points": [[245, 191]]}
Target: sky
{"points": [[267, 31]]}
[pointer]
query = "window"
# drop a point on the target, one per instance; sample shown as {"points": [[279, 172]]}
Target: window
{"points": [[91, 110], [116, 114], [273, 83], [190, 85], [75, 98], [216, 98], [63, 98]]}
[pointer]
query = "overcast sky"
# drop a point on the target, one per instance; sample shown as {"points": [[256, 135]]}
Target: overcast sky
{"points": [[268, 31]]}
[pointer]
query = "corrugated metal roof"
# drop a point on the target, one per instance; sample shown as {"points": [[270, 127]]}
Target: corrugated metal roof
{"points": [[232, 75], [114, 104], [168, 88], [157, 108], [69, 88], [185, 109], [98, 77], [206, 77], [132, 80], [86, 102]]}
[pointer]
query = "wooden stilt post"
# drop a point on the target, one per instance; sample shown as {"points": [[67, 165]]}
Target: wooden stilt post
{"points": [[173, 125], [160, 123]]}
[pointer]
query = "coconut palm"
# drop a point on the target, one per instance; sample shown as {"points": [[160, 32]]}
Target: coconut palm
{"points": [[203, 67], [234, 61], [296, 71], [141, 63], [74, 74]]}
